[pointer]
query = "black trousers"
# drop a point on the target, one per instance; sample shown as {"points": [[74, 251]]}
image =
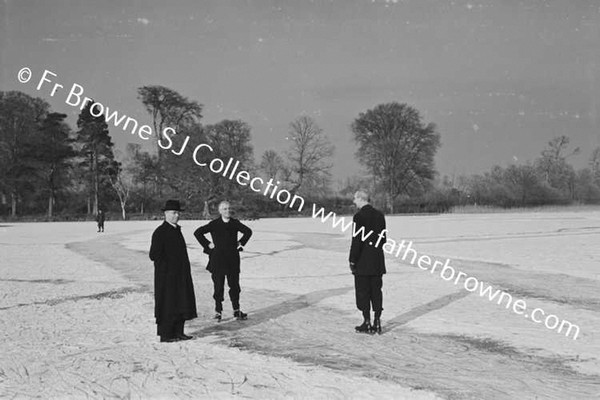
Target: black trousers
{"points": [[368, 292], [233, 281]]}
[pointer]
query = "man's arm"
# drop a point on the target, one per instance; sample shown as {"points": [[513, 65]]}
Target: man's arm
{"points": [[246, 233], [156, 247], [199, 235], [384, 230], [357, 244]]}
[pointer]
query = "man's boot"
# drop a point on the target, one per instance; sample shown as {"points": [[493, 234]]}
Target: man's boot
{"points": [[239, 315], [376, 328], [366, 325]]}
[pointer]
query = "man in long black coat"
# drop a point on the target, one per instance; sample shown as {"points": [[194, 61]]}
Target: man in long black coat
{"points": [[174, 298], [224, 256], [367, 261]]}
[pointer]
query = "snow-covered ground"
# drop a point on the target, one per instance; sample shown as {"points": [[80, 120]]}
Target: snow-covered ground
{"points": [[76, 314]]}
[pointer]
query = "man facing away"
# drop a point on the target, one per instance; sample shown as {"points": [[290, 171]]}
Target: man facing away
{"points": [[174, 298], [224, 257], [100, 220], [367, 262]]}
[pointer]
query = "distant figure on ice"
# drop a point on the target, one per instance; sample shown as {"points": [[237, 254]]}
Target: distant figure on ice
{"points": [[174, 298], [224, 257], [367, 262], [100, 220]]}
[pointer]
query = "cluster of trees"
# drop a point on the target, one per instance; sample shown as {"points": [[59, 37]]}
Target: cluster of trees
{"points": [[303, 169], [549, 179], [43, 162], [47, 168]]}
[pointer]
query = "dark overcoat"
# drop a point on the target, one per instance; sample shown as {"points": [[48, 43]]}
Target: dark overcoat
{"points": [[224, 258], [174, 297], [368, 260]]}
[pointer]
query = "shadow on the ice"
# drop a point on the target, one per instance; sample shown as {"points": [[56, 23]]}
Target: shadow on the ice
{"points": [[421, 310], [274, 311]]}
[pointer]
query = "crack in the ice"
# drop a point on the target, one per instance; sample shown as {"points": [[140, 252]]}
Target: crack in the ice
{"points": [[275, 311], [529, 235], [274, 252], [111, 294], [53, 281]]}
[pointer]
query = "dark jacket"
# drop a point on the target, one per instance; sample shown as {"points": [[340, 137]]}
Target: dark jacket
{"points": [[174, 296], [368, 260], [224, 258]]}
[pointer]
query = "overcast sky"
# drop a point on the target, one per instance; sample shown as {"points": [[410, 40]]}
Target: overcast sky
{"points": [[498, 78]]}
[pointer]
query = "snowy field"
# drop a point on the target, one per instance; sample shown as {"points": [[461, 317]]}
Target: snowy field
{"points": [[76, 314]]}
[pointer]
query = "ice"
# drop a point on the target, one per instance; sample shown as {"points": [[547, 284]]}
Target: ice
{"points": [[77, 320]]}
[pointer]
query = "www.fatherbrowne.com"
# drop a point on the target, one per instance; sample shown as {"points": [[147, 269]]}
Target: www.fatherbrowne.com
{"points": [[447, 272]]}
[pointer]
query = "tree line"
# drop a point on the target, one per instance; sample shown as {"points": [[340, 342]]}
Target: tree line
{"points": [[549, 179], [51, 170]]}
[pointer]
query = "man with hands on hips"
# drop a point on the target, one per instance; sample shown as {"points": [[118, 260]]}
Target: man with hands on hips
{"points": [[224, 257]]}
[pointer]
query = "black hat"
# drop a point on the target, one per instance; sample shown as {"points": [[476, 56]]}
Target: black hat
{"points": [[172, 205]]}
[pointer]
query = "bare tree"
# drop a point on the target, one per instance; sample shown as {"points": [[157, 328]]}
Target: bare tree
{"points": [[594, 164], [272, 164], [229, 138], [122, 183], [554, 168], [168, 109], [523, 181], [557, 147], [397, 148], [309, 155], [353, 183]]}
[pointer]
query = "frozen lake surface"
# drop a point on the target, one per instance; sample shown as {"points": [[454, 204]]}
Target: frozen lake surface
{"points": [[77, 320]]}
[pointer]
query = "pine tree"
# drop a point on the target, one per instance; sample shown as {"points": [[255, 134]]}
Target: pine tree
{"points": [[96, 154], [20, 117], [52, 154]]}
